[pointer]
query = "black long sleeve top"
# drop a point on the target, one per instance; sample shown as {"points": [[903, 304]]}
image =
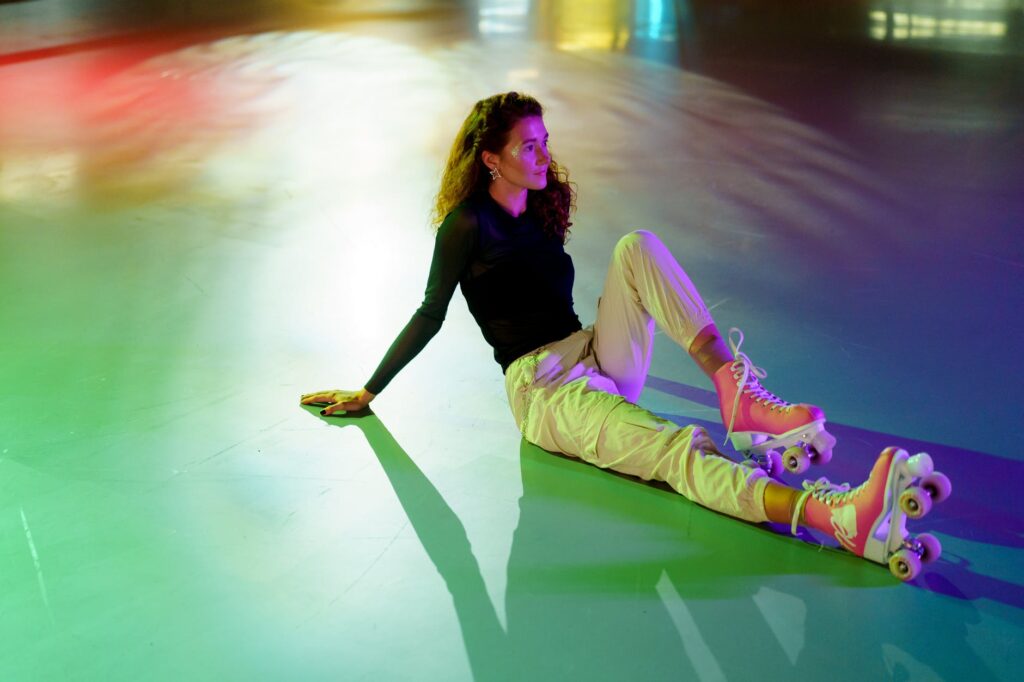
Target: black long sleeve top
{"points": [[516, 280]]}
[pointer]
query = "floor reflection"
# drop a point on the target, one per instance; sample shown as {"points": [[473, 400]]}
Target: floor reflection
{"points": [[609, 578], [188, 192]]}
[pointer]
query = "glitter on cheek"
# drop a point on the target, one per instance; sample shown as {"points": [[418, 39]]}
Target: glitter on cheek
{"points": [[515, 152]]}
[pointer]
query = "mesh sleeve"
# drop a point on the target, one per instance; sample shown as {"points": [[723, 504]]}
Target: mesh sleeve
{"points": [[453, 247]]}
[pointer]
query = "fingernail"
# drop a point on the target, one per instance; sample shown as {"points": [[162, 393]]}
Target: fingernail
{"points": [[323, 412]]}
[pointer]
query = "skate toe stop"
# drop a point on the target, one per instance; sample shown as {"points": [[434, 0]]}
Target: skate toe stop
{"points": [[815, 412], [823, 443]]}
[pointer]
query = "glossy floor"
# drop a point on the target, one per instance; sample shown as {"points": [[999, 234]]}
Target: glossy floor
{"points": [[199, 224]]}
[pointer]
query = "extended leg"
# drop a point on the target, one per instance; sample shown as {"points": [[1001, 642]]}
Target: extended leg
{"points": [[610, 432]]}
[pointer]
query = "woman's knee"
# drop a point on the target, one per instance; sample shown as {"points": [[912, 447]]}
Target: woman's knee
{"points": [[638, 240]]}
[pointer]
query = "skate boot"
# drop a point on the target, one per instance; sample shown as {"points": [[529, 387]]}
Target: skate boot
{"points": [[768, 430], [870, 520]]}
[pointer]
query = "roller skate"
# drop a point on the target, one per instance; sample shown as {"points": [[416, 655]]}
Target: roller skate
{"points": [[870, 520], [770, 432]]}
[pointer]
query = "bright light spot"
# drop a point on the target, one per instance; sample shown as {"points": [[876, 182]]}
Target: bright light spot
{"points": [[33, 175], [503, 17], [601, 27], [918, 26], [656, 15], [523, 74]]}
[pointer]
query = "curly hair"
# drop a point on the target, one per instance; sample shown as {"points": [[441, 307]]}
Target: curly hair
{"points": [[487, 128]]}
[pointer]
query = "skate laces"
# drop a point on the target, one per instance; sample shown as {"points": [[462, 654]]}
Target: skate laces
{"points": [[826, 492], [748, 381]]}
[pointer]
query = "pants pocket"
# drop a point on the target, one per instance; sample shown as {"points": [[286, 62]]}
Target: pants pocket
{"points": [[518, 385]]}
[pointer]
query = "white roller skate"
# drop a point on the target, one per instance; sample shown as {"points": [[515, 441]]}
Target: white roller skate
{"points": [[870, 520], [769, 431]]}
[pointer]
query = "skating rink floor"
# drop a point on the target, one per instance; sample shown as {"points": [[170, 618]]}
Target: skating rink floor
{"points": [[200, 221]]}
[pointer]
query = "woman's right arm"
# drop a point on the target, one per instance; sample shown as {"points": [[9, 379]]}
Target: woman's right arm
{"points": [[452, 250]]}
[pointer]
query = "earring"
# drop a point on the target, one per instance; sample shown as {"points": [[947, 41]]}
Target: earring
{"points": [[495, 174]]}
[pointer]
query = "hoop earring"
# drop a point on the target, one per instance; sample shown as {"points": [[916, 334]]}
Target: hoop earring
{"points": [[495, 174]]}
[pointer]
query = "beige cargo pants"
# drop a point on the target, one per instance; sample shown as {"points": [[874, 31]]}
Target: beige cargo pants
{"points": [[576, 396]]}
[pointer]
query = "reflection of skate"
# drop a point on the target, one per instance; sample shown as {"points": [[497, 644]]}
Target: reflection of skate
{"points": [[769, 431], [870, 520]]}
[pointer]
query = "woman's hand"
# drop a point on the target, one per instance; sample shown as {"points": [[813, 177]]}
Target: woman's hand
{"points": [[339, 401]]}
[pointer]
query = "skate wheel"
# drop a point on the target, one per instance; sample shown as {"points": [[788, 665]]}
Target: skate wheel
{"points": [[773, 463], [915, 502], [930, 547], [938, 486], [821, 458], [920, 465], [905, 564], [796, 459]]}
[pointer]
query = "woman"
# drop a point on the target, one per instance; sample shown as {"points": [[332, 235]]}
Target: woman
{"points": [[504, 213]]}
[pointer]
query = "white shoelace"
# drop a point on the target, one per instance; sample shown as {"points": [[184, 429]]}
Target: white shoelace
{"points": [[749, 382], [823, 490]]}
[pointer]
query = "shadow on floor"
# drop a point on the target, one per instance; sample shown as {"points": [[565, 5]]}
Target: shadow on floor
{"points": [[612, 579]]}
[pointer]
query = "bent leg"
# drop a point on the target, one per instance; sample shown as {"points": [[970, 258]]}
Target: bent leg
{"points": [[644, 285]]}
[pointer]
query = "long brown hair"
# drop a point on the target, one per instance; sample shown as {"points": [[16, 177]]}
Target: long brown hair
{"points": [[487, 128]]}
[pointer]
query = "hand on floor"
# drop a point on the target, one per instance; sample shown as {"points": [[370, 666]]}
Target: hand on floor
{"points": [[339, 401]]}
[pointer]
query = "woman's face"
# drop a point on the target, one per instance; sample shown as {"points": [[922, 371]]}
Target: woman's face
{"points": [[524, 161]]}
